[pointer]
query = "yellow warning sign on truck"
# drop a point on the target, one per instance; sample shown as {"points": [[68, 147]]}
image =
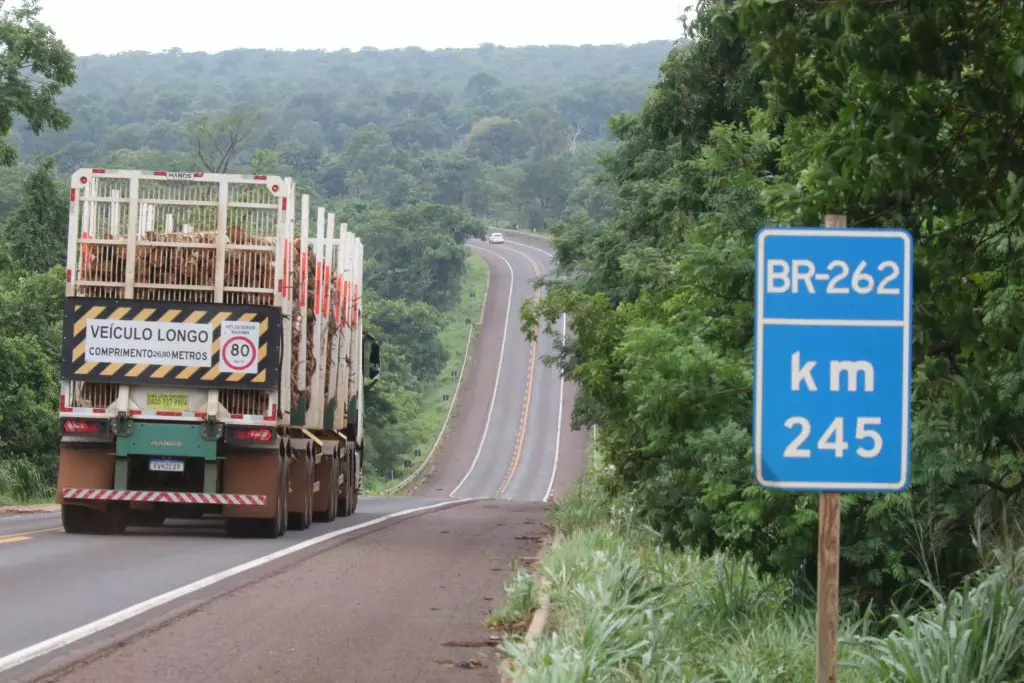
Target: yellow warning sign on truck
{"points": [[157, 342]]}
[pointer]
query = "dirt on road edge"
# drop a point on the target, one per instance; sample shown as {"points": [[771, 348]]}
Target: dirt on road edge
{"points": [[11, 510]]}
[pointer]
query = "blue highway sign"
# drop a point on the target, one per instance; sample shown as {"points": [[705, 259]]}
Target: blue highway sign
{"points": [[832, 359]]}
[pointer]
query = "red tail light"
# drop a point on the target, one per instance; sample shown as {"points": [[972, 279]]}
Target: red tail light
{"points": [[254, 435], [82, 427]]}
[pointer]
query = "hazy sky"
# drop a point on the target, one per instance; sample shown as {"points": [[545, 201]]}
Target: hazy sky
{"points": [[110, 26]]}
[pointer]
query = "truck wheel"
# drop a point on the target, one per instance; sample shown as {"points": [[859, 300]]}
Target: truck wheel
{"points": [[356, 459], [310, 478], [281, 525], [237, 527], [76, 519], [331, 483], [113, 520], [335, 471], [275, 526], [297, 521], [348, 488]]}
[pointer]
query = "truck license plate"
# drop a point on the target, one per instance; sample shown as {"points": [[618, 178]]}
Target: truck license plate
{"points": [[164, 465]]}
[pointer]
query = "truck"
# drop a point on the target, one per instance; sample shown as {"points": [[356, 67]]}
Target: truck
{"points": [[212, 355]]}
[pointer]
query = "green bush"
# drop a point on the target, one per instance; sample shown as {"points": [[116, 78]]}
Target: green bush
{"points": [[25, 481], [976, 634]]}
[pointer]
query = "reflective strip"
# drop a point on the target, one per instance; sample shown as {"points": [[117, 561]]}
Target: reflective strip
{"points": [[165, 497]]}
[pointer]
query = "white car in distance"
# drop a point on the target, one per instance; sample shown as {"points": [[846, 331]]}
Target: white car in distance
{"points": [[496, 238]]}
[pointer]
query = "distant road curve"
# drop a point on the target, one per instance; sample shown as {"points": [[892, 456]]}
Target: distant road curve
{"points": [[510, 434]]}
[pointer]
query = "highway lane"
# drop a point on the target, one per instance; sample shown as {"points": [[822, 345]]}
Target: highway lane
{"points": [[53, 583], [486, 404], [496, 453], [15, 527], [560, 453], [510, 435], [534, 464]]}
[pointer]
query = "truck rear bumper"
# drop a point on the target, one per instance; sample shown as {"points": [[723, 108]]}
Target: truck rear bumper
{"points": [[163, 497]]}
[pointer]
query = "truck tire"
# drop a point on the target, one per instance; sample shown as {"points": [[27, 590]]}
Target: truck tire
{"points": [[357, 457], [331, 482], [297, 521], [348, 489], [237, 527], [336, 471], [113, 520], [274, 527], [310, 478], [76, 519]]}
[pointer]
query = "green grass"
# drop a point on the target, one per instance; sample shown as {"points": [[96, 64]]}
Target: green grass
{"points": [[454, 337], [976, 634], [23, 482], [626, 608], [519, 604]]}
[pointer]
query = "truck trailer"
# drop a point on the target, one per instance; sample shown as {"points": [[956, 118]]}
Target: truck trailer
{"points": [[212, 358]]}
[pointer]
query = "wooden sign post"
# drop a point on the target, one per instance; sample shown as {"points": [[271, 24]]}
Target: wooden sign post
{"points": [[828, 562]]}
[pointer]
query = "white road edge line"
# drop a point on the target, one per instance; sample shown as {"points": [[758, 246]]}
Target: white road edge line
{"points": [[558, 430], [497, 376], [31, 652]]}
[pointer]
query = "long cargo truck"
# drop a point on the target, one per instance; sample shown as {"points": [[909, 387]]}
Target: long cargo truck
{"points": [[212, 357]]}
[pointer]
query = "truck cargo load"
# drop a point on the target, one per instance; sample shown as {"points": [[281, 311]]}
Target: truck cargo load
{"points": [[212, 355]]}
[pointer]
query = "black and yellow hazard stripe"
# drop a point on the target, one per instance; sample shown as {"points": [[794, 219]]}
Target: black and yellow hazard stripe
{"points": [[78, 313]]}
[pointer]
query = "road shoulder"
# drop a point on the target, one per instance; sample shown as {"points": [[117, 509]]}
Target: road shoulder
{"points": [[17, 510], [404, 604]]}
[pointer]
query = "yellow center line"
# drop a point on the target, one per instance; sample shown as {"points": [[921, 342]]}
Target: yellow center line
{"points": [[524, 417], [14, 539], [26, 535]]}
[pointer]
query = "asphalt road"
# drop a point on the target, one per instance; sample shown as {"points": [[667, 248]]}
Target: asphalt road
{"points": [[510, 435], [404, 604], [54, 583], [371, 597]]}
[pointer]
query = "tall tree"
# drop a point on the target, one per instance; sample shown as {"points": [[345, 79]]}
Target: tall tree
{"points": [[36, 232]]}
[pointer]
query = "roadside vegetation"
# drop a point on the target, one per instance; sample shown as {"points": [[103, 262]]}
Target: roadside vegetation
{"points": [[625, 606]]}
